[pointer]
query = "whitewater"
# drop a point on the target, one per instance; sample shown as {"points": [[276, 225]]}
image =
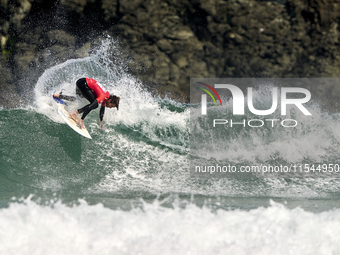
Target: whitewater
{"points": [[129, 189]]}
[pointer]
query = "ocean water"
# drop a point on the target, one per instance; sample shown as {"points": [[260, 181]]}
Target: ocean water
{"points": [[129, 189]]}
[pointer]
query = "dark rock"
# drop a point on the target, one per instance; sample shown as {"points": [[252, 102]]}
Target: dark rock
{"points": [[8, 94], [171, 41], [61, 37]]}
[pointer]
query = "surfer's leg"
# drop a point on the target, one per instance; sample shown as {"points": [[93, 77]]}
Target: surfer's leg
{"points": [[68, 98], [83, 90], [80, 83]]}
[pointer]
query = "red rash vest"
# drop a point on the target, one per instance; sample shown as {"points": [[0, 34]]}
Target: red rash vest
{"points": [[101, 93]]}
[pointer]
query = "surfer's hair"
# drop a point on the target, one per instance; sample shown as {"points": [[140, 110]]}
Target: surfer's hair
{"points": [[114, 99]]}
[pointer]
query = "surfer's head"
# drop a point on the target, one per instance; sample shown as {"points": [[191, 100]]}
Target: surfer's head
{"points": [[113, 101]]}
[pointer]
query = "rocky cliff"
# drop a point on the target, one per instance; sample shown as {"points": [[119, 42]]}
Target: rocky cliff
{"points": [[170, 41]]}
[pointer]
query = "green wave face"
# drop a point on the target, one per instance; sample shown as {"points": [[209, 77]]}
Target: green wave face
{"points": [[38, 155]]}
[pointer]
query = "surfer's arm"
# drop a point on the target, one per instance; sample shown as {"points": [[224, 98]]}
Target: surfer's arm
{"points": [[101, 116], [87, 108], [101, 113]]}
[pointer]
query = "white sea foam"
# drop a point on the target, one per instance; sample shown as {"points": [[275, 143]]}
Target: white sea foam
{"points": [[29, 228]]}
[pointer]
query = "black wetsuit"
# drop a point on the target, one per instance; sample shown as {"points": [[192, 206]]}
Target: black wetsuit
{"points": [[83, 90]]}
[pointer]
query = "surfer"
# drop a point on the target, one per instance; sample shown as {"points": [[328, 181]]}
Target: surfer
{"points": [[96, 94]]}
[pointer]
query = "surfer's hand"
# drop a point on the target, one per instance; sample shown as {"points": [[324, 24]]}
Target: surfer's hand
{"points": [[101, 125]]}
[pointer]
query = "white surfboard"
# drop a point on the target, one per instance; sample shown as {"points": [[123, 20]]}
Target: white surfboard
{"points": [[68, 119]]}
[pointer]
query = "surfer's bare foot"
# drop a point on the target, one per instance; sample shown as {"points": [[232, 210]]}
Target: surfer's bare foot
{"points": [[56, 95], [74, 117], [82, 124]]}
